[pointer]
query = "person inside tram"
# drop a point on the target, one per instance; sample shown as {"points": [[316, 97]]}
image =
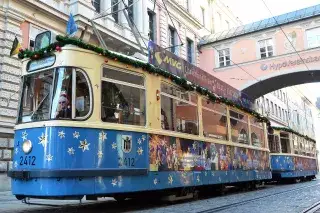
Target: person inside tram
{"points": [[64, 109]]}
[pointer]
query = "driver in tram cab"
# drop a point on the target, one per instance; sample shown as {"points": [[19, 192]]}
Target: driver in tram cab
{"points": [[64, 109]]}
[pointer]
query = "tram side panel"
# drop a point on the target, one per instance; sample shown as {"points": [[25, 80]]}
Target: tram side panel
{"points": [[288, 166]]}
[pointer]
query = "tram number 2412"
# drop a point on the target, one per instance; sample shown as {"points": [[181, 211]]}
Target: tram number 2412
{"points": [[129, 162], [27, 160]]}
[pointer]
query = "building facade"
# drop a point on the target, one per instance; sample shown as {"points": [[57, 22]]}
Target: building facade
{"points": [[257, 52], [177, 24]]}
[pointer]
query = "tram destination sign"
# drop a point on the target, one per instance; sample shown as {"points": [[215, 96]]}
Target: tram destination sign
{"points": [[41, 63], [166, 60]]}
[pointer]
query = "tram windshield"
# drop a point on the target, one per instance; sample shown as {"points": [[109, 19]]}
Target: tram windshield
{"points": [[61, 93]]}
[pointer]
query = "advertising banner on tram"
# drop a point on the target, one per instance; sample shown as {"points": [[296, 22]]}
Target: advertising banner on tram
{"points": [[166, 60]]}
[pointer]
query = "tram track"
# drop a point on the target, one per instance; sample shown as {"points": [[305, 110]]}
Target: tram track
{"points": [[233, 205], [132, 206]]}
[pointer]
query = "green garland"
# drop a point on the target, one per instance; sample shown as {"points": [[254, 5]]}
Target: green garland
{"points": [[294, 132], [62, 41]]}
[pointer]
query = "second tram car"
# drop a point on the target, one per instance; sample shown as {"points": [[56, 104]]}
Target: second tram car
{"points": [[91, 125]]}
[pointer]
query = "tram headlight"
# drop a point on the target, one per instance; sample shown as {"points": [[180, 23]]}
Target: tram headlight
{"points": [[27, 146]]}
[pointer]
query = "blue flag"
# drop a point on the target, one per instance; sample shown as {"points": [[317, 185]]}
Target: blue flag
{"points": [[72, 27]]}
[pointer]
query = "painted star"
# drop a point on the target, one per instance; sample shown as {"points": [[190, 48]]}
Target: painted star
{"points": [[61, 134], [100, 154], [15, 164], [114, 182], [143, 137], [114, 145], [84, 145], [170, 180], [198, 178], [76, 135], [43, 140], [71, 151], [49, 157], [140, 150], [16, 151], [139, 141], [102, 136], [155, 181], [24, 135]]}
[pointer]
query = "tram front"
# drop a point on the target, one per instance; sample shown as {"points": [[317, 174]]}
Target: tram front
{"points": [[56, 100]]}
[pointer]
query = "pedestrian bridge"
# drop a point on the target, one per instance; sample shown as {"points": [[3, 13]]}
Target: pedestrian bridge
{"points": [[266, 55]]}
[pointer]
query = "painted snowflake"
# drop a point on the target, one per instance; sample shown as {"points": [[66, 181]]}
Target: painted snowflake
{"points": [[61, 134], [114, 182], [84, 145], [76, 135], [49, 157], [140, 151], [139, 141], [71, 151], [114, 145], [102, 136], [100, 154], [155, 181], [24, 135], [143, 137], [43, 140], [170, 179]]}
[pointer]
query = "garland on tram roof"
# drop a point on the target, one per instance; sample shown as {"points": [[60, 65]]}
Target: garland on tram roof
{"points": [[294, 132], [62, 41]]}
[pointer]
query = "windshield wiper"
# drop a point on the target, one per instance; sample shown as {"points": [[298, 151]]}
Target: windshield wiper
{"points": [[40, 104]]}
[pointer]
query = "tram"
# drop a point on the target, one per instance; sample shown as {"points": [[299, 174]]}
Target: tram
{"points": [[97, 123], [292, 155]]}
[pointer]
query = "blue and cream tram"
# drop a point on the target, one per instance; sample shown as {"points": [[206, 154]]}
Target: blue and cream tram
{"points": [[96, 123], [292, 155]]}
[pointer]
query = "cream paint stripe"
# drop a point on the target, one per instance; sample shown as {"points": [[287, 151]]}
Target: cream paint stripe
{"points": [[112, 126]]}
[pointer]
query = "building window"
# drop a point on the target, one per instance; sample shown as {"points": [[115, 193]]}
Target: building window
{"points": [[172, 40], [214, 118], [96, 5], [179, 110], [313, 37], [152, 27], [190, 48], [122, 97], [266, 48], [224, 57], [188, 5], [203, 16], [114, 9], [272, 109], [130, 10], [33, 32]]}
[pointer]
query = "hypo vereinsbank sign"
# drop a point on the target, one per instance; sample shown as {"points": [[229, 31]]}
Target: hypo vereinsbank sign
{"points": [[289, 63]]}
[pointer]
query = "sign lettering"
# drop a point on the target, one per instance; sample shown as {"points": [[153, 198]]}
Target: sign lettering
{"points": [[180, 67], [42, 63]]}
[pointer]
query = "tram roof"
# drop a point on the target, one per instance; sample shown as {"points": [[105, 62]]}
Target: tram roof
{"points": [[279, 20]]}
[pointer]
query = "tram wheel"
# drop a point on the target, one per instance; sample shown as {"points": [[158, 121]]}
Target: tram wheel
{"points": [[20, 197]]}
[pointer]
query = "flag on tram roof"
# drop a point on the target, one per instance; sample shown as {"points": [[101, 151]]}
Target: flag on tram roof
{"points": [[72, 27], [15, 47]]}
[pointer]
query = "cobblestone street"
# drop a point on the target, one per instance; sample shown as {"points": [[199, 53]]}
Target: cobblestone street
{"points": [[271, 198]]}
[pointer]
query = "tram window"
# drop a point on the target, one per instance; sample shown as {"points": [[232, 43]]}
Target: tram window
{"points": [[257, 133], [284, 139], [122, 98], [62, 96], [179, 110], [82, 101], [239, 127], [214, 118], [36, 97]]}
